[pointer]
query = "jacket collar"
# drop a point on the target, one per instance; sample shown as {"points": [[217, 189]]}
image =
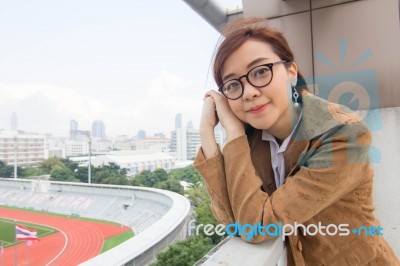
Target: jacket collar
{"points": [[319, 116]]}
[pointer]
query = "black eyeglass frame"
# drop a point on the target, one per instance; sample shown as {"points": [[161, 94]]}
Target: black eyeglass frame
{"points": [[269, 65]]}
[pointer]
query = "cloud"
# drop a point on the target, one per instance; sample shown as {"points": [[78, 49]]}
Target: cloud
{"points": [[47, 108]]}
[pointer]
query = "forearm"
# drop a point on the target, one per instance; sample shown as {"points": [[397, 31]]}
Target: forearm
{"points": [[208, 142], [212, 170]]}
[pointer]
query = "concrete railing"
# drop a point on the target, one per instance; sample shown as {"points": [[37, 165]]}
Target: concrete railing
{"points": [[144, 246]]}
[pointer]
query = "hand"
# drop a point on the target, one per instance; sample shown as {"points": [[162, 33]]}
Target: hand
{"points": [[216, 108], [209, 118]]}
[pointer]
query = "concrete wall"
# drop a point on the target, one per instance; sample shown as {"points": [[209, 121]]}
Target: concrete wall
{"points": [[329, 37]]}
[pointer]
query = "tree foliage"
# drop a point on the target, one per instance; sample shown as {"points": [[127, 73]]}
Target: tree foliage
{"points": [[184, 253], [188, 174], [7, 171], [62, 174], [50, 164], [171, 185], [158, 179]]}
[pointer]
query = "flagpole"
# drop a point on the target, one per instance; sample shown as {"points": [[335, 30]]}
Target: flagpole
{"points": [[15, 244], [2, 253], [29, 243]]}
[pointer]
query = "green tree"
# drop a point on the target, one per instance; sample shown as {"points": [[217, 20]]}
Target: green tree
{"points": [[31, 171], [50, 164], [144, 179], [184, 253], [200, 199], [188, 174], [160, 175], [62, 174], [71, 165], [82, 173], [171, 185], [7, 171], [107, 177]]}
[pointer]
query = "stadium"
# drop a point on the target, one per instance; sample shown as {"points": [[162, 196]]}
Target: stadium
{"points": [[156, 217]]}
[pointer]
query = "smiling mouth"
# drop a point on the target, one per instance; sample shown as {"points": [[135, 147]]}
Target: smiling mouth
{"points": [[258, 109]]}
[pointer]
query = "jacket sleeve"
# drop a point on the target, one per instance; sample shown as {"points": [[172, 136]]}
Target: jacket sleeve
{"points": [[213, 172], [334, 167]]}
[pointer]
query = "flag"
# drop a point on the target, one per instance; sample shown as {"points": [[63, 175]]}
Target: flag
{"points": [[23, 233]]}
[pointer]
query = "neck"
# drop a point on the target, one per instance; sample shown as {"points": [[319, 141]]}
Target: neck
{"points": [[284, 126]]}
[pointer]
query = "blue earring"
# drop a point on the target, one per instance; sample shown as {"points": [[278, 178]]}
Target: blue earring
{"points": [[295, 94]]}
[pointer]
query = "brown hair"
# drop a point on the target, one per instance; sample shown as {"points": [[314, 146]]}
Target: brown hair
{"points": [[241, 30]]}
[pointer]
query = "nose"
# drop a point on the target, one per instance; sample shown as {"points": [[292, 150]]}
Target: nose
{"points": [[249, 91]]}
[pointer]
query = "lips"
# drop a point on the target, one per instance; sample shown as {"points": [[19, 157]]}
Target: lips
{"points": [[258, 108]]}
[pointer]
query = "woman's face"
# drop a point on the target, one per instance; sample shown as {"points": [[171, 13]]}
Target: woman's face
{"points": [[264, 108]]}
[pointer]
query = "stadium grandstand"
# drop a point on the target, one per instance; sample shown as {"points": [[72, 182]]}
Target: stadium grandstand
{"points": [[157, 217]]}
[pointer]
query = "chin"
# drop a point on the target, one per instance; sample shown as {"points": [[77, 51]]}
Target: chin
{"points": [[261, 126]]}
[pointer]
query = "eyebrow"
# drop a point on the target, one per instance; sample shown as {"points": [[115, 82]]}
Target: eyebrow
{"points": [[251, 64]]}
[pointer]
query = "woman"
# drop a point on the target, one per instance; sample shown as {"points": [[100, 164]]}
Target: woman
{"points": [[290, 157]]}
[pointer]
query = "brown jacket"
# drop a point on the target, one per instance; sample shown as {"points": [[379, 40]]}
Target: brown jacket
{"points": [[329, 180]]}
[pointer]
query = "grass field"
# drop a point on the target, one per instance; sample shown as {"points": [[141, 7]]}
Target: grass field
{"points": [[7, 231], [114, 241]]}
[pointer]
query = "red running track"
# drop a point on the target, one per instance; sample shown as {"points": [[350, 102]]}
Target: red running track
{"points": [[76, 242]]}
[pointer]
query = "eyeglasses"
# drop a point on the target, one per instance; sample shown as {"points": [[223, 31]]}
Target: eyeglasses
{"points": [[259, 76]]}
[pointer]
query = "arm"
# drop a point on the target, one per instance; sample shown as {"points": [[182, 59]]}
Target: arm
{"points": [[335, 167], [209, 161], [212, 170]]}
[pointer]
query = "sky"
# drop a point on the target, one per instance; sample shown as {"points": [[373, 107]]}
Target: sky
{"points": [[132, 64]]}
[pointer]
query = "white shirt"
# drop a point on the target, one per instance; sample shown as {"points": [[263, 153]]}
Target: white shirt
{"points": [[277, 159]]}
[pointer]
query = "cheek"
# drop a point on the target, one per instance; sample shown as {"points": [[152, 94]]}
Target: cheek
{"points": [[237, 108], [282, 92]]}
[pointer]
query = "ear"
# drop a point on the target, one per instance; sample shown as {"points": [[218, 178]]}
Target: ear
{"points": [[292, 73]]}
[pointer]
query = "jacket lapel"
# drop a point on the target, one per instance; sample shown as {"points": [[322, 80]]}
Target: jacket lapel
{"points": [[319, 116], [261, 158], [317, 119]]}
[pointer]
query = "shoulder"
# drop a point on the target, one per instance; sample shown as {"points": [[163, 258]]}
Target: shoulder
{"points": [[321, 117]]}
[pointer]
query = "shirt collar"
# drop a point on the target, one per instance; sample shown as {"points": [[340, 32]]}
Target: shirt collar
{"points": [[269, 137]]}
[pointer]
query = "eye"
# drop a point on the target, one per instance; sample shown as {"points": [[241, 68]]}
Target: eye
{"points": [[260, 72], [232, 86]]}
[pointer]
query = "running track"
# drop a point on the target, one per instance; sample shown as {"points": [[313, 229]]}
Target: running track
{"points": [[76, 242]]}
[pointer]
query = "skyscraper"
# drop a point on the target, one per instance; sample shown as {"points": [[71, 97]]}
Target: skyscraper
{"points": [[178, 121], [73, 127], [14, 121], [141, 134], [190, 125], [98, 129]]}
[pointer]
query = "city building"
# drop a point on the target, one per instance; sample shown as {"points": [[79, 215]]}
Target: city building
{"points": [[178, 121], [155, 143], [123, 142], [101, 145], [141, 134], [14, 121], [27, 148], [54, 147], [184, 143], [73, 126], [76, 147], [98, 130], [136, 161], [76, 134]]}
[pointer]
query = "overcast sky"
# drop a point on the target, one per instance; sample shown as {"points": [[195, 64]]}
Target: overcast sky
{"points": [[132, 64]]}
